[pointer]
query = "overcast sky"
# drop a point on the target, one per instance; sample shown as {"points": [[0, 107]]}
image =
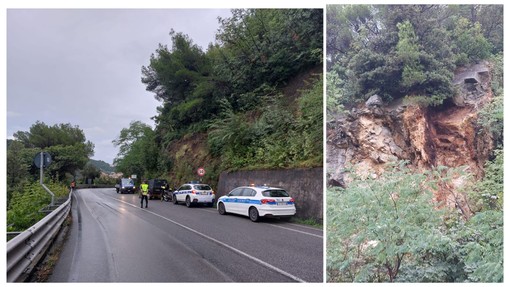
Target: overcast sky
{"points": [[83, 67]]}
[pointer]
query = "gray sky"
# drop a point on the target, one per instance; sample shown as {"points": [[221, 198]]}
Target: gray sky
{"points": [[83, 67]]}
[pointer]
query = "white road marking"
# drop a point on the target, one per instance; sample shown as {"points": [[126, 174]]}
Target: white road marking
{"points": [[295, 230], [263, 263], [304, 226]]}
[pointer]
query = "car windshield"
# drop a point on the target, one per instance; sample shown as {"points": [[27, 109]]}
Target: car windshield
{"points": [[127, 181], [202, 187], [275, 193], [160, 182]]}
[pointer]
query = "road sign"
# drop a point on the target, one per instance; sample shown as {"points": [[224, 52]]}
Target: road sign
{"points": [[46, 159], [201, 171]]}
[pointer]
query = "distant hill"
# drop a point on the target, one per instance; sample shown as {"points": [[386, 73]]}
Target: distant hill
{"points": [[104, 166]]}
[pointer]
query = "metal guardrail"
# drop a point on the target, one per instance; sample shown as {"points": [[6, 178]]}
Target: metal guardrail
{"points": [[25, 250]]}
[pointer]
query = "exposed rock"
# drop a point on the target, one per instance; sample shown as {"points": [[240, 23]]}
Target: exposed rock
{"points": [[374, 101], [370, 137], [471, 84]]}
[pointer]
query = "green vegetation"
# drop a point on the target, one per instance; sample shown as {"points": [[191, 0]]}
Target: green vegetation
{"points": [[227, 103], [406, 50], [389, 229], [69, 150], [27, 200]]}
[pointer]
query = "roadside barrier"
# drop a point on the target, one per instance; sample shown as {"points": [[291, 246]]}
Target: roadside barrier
{"points": [[25, 250]]}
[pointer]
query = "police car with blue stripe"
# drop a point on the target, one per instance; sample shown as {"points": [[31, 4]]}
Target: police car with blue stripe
{"points": [[258, 201]]}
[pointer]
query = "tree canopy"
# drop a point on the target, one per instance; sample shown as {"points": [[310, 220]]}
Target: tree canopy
{"points": [[66, 144], [407, 50], [232, 92]]}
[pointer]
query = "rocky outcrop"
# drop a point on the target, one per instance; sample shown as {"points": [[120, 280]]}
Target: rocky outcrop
{"points": [[369, 137]]}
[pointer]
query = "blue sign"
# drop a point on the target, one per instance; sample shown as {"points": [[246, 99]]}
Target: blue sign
{"points": [[46, 159]]}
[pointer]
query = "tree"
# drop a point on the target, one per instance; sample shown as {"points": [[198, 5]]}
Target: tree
{"points": [[470, 43], [66, 144], [138, 153], [90, 172], [263, 48]]}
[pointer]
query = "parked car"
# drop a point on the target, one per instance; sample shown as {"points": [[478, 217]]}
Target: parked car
{"points": [[194, 193], [157, 187], [258, 201], [126, 185]]}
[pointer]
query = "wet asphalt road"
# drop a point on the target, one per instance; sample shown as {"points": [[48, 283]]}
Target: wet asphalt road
{"points": [[113, 240]]}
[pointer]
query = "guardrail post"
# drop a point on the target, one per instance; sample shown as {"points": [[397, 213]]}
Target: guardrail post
{"points": [[25, 250]]}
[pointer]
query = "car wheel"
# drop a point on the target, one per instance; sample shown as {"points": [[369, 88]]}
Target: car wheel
{"points": [[117, 190], [221, 208], [285, 218], [174, 199], [254, 214], [188, 201]]}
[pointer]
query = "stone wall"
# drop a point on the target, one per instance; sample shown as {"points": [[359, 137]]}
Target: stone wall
{"points": [[304, 185]]}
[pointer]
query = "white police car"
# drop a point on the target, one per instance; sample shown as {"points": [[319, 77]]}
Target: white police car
{"points": [[194, 193], [257, 201]]}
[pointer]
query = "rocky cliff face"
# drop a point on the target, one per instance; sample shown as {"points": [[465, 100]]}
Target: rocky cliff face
{"points": [[377, 133]]}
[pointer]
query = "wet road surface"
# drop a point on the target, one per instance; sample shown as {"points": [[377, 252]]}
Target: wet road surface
{"points": [[112, 239]]}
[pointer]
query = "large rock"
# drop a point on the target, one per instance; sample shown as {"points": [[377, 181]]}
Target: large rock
{"points": [[368, 138]]}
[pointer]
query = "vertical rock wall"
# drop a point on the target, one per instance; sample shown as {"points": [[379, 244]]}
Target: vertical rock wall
{"points": [[375, 134]]}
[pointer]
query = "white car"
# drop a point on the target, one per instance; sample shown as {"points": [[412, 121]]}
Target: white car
{"points": [[258, 201], [194, 193]]}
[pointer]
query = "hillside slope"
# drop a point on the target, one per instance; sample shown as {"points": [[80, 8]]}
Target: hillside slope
{"points": [[375, 134], [192, 151]]}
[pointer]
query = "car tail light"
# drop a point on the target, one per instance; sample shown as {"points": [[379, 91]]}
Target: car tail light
{"points": [[193, 191], [291, 200], [213, 192], [267, 201]]}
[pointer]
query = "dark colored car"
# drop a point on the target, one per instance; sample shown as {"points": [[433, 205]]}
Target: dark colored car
{"points": [[157, 187], [126, 185]]}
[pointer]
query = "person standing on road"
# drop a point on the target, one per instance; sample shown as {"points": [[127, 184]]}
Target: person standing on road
{"points": [[144, 190], [73, 185]]}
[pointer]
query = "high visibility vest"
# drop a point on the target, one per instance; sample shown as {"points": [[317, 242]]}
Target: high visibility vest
{"points": [[145, 188]]}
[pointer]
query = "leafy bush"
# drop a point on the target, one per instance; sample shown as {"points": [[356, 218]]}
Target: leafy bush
{"points": [[376, 226], [26, 202], [273, 137], [387, 229]]}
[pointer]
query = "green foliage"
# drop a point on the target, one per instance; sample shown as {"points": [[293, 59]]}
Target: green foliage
{"points": [[388, 229], [491, 115], [409, 52], [66, 144], [488, 193], [406, 50], [376, 226], [138, 152], [18, 166], [25, 196], [90, 172], [471, 45], [333, 96], [233, 92], [276, 138], [266, 46], [27, 199], [482, 246]]}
